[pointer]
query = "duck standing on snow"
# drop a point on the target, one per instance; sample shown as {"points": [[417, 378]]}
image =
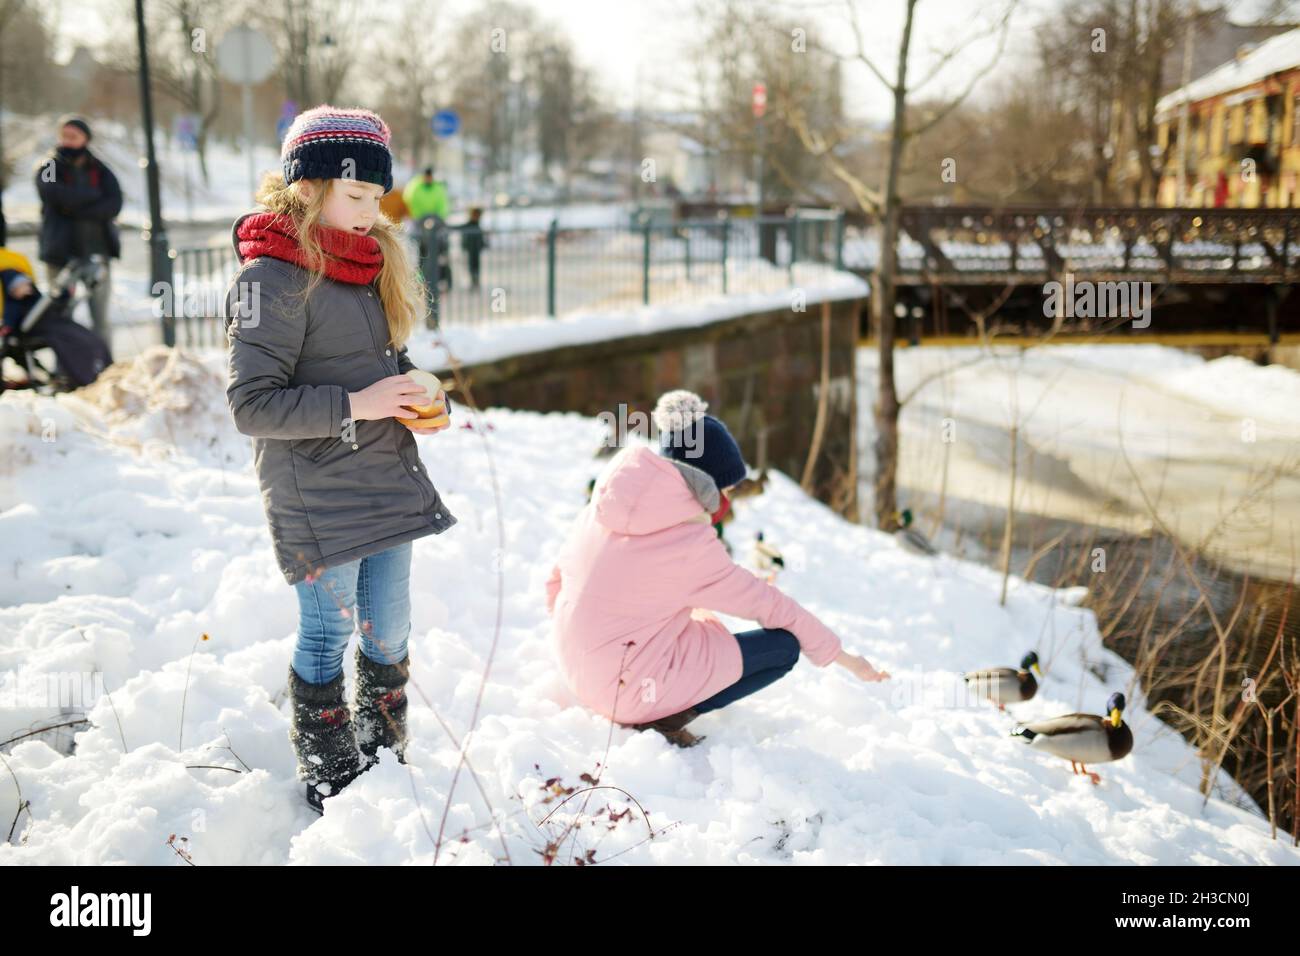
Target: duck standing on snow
{"points": [[910, 538], [1083, 738], [767, 557], [745, 488], [749, 487], [640, 564], [1006, 685]]}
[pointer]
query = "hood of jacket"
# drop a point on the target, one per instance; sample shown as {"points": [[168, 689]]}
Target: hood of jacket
{"points": [[234, 232], [642, 492]]}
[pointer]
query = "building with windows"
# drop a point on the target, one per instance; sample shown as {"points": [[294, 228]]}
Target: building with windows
{"points": [[1232, 136]]}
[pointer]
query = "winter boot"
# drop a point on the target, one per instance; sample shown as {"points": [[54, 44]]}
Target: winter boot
{"points": [[673, 727], [380, 706], [323, 737]]}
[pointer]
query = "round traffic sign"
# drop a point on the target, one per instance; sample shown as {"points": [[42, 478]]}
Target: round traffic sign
{"points": [[245, 56]]}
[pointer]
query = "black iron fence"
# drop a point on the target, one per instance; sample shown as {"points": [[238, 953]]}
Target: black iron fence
{"points": [[559, 270]]}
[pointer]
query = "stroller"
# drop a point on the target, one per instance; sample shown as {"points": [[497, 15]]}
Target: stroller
{"points": [[39, 322], [433, 235]]}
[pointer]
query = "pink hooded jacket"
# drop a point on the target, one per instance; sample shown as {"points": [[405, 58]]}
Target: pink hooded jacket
{"points": [[626, 594]]}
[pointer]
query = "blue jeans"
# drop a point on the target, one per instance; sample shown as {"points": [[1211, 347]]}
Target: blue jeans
{"points": [[373, 593], [768, 654]]}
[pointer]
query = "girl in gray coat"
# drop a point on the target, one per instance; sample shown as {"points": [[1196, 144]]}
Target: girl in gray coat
{"points": [[316, 318]]}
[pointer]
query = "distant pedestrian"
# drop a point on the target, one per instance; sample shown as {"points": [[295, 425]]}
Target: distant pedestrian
{"points": [[80, 199], [426, 196], [473, 240]]}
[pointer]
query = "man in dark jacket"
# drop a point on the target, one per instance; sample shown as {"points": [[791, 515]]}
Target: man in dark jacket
{"points": [[80, 198]]}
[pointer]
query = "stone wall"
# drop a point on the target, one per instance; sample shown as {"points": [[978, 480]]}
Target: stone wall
{"points": [[760, 373]]}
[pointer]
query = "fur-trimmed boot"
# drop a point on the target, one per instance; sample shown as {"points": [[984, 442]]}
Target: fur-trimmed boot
{"points": [[380, 706], [673, 727], [323, 737]]}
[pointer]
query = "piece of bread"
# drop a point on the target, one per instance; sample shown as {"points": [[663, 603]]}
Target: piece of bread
{"points": [[433, 415]]}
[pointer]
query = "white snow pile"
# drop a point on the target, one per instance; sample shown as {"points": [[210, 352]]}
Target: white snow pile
{"points": [[119, 562]]}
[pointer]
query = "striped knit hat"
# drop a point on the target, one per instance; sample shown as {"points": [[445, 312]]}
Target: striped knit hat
{"points": [[331, 143]]}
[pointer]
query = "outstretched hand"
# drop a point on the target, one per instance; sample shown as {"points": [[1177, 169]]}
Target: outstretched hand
{"points": [[861, 668]]}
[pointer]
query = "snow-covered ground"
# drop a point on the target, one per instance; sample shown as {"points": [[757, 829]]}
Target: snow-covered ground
{"points": [[1214, 444], [131, 529]]}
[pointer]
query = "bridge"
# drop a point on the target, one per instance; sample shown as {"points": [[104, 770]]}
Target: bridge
{"points": [[1215, 276]]}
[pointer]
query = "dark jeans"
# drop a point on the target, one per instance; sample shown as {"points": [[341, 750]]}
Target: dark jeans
{"points": [[768, 654]]}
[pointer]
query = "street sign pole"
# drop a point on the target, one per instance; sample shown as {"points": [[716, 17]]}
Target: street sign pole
{"points": [[246, 57]]}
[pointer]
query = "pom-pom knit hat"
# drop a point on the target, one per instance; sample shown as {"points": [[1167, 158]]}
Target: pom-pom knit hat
{"points": [[330, 143], [688, 435]]}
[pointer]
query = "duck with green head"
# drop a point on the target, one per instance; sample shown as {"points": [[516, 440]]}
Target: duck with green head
{"points": [[1006, 685], [909, 537], [1083, 738]]}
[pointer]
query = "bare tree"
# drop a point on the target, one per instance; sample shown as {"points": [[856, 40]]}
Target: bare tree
{"points": [[316, 46], [568, 113], [25, 74], [729, 57], [1113, 60], [416, 77], [489, 57], [182, 62], [884, 204]]}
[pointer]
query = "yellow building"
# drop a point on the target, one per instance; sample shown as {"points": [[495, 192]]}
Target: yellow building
{"points": [[1243, 131]]}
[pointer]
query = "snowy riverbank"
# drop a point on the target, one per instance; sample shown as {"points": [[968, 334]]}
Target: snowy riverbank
{"points": [[137, 529]]}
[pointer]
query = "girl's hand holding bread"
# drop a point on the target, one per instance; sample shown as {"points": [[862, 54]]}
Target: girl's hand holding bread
{"points": [[398, 396]]}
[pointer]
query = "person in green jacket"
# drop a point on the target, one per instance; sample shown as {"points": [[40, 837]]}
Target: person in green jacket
{"points": [[426, 197]]}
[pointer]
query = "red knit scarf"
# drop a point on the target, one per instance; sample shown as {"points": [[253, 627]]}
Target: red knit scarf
{"points": [[349, 257]]}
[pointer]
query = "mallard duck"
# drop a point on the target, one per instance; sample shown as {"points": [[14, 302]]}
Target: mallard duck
{"points": [[767, 557], [910, 538], [1006, 685], [613, 441], [748, 487], [1083, 738]]}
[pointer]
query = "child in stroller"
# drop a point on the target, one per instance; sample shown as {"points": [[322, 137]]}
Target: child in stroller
{"points": [[433, 234], [31, 322]]}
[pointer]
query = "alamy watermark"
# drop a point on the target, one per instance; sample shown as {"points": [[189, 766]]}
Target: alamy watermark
{"points": [[1098, 300], [622, 423]]}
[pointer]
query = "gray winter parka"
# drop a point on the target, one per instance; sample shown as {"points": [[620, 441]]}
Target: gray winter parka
{"points": [[332, 493]]}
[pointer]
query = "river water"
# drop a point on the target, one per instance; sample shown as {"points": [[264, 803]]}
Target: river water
{"points": [[1131, 438]]}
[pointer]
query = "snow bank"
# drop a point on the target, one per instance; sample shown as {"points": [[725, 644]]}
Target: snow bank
{"points": [[120, 560]]}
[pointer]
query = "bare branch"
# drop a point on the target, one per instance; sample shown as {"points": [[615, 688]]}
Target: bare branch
{"points": [[947, 56], [861, 54], [868, 198], [974, 81]]}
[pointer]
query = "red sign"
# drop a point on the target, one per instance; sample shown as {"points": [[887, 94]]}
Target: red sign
{"points": [[760, 100]]}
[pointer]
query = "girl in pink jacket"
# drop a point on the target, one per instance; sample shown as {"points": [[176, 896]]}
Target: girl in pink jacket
{"points": [[643, 563]]}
